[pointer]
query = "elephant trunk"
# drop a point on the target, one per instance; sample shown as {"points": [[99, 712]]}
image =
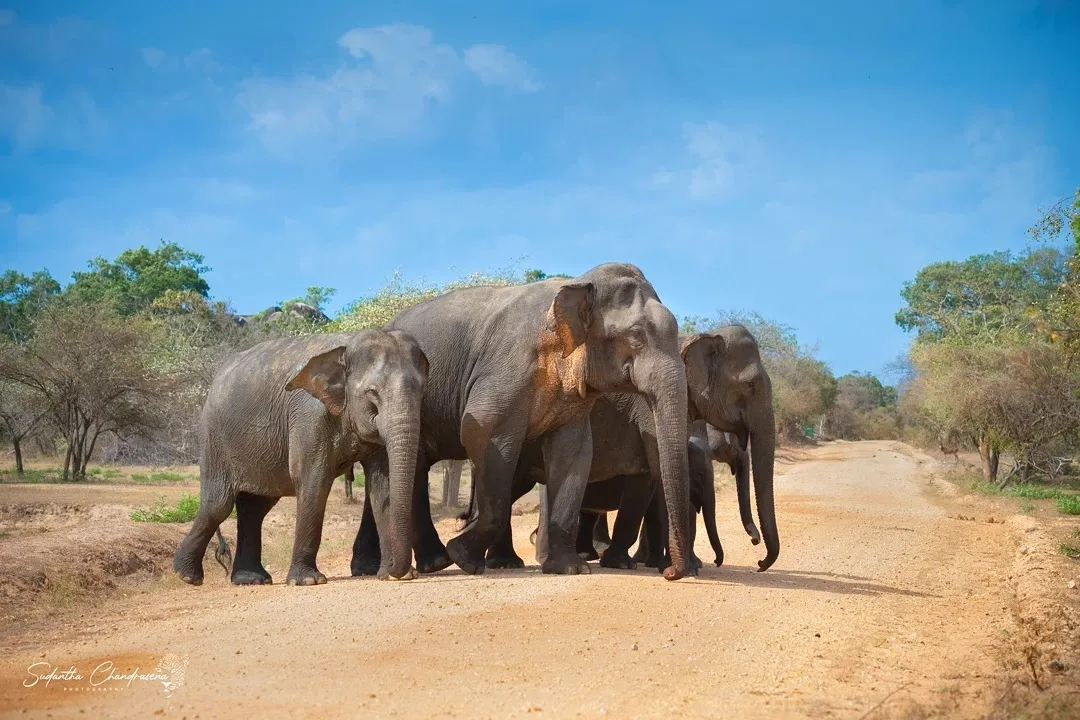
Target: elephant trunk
{"points": [[762, 453], [742, 486], [402, 443], [668, 400]]}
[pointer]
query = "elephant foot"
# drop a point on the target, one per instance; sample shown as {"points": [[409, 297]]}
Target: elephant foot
{"points": [[617, 560], [305, 576], [587, 555], [463, 559], [435, 563], [504, 562], [384, 574], [600, 546], [565, 564], [641, 556], [655, 562], [695, 562], [189, 572], [251, 577], [365, 565]]}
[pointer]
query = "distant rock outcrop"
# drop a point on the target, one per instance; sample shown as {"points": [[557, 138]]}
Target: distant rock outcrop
{"points": [[274, 313]]}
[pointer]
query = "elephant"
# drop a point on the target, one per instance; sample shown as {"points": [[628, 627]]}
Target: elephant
{"points": [[716, 445], [730, 390], [623, 475], [605, 495], [523, 365], [288, 416]]}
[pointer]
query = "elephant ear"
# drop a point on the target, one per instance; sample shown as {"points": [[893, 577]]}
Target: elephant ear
{"points": [[323, 377], [571, 315], [701, 354]]}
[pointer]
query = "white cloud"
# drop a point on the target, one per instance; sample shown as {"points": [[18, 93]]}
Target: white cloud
{"points": [[24, 117], [385, 88], [7, 17], [201, 60], [718, 158], [153, 57], [495, 65]]}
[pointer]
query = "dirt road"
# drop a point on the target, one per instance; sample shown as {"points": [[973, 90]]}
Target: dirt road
{"points": [[885, 598]]}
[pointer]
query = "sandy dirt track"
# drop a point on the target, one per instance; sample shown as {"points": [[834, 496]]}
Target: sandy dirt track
{"points": [[886, 599]]}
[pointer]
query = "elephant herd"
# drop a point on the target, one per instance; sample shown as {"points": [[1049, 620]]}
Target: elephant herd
{"points": [[584, 386]]}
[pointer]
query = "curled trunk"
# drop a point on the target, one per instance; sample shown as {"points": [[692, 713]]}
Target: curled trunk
{"points": [[742, 487]]}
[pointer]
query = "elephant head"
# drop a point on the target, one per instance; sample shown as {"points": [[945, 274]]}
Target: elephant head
{"points": [[730, 389], [615, 336], [375, 382]]}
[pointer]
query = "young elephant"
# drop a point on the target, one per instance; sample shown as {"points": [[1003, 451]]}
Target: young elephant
{"points": [[288, 416], [712, 445]]}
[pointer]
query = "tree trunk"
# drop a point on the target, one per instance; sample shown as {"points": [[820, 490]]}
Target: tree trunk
{"points": [[989, 456], [452, 482], [18, 454], [67, 460]]}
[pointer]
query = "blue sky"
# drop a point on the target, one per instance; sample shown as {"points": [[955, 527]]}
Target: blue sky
{"points": [[798, 159]]}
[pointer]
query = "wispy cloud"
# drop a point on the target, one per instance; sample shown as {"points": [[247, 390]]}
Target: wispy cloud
{"points": [[393, 75], [23, 116], [716, 157], [495, 65], [201, 60]]}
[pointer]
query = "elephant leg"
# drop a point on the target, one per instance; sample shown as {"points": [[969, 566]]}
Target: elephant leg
{"points": [[695, 561], [367, 556], [313, 483], [494, 452], [350, 477], [652, 546], [502, 555], [431, 555], [637, 491], [377, 492], [601, 537], [567, 459], [213, 509], [587, 522], [250, 511]]}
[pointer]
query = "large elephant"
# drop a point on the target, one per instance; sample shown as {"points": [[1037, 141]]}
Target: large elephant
{"points": [[287, 417], [525, 364], [731, 391]]}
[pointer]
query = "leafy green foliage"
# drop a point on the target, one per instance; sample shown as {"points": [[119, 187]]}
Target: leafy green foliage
{"points": [[21, 298], [1069, 505], [138, 277], [184, 511], [804, 388], [987, 298], [377, 310], [865, 409]]}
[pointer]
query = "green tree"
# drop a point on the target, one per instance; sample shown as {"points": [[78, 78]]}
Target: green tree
{"points": [[987, 298], [139, 276], [92, 369], [1059, 317], [21, 298]]}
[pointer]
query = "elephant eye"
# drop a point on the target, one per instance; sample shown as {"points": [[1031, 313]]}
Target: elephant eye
{"points": [[636, 336]]}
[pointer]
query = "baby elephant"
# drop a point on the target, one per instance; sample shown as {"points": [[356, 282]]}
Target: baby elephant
{"points": [[287, 417]]}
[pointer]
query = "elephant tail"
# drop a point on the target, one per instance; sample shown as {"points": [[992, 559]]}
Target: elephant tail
{"points": [[467, 513], [222, 553]]}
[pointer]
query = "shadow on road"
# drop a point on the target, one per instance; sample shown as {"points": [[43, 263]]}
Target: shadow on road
{"points": [[799, 580]]}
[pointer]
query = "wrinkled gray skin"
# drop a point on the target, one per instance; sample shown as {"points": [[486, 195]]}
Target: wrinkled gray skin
{"points": [[730, 389], [629, 494], [623, 475], [716, 445], [288, 416], [524, 365]]}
